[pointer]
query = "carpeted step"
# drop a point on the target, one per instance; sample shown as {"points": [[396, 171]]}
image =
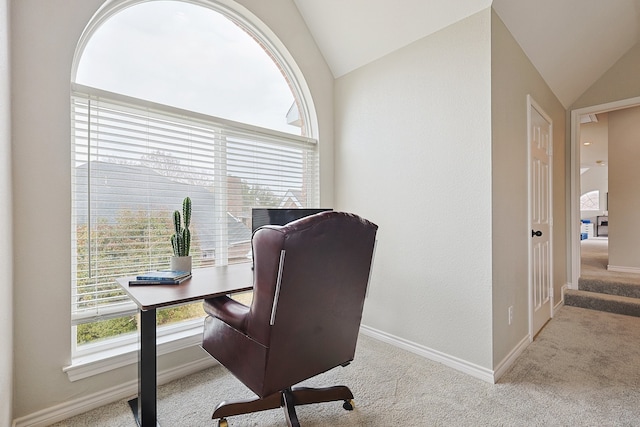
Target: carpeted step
{"points": [[603, 302], [609, 287]]}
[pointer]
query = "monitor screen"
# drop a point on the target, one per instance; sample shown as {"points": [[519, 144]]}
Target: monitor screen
{"points": [[277, 216]]}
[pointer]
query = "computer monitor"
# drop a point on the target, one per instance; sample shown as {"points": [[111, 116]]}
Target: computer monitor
{"points": [[279, 216]]}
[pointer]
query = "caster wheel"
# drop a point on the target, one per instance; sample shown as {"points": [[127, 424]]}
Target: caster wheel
{"points": [[223, 423], [348, 405]]}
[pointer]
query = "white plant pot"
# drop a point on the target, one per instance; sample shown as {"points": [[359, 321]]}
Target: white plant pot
{"points": [[181, 263]]}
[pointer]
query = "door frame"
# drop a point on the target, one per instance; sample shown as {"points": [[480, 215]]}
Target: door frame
{"points": [[532, 104], [574, 202]]}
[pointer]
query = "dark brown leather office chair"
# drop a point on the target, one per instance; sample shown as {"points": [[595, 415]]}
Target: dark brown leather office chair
{"points": [[310, 280]]}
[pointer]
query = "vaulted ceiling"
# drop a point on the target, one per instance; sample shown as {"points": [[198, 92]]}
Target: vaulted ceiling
{"points": [[570, 42]]}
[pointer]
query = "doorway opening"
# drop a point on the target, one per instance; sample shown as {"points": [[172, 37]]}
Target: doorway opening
{"points": [[598, 226]]}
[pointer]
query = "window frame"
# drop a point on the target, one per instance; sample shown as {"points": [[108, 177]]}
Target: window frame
{"points": [[188, 334], [88, 95], [250, 23]]}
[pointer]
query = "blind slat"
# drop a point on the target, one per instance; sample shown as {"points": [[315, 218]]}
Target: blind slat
{"points": [[133, 162]]}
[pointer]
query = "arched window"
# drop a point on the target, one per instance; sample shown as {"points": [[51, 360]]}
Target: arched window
{"points": [[193, 57], [173, 99], [590, 201]]}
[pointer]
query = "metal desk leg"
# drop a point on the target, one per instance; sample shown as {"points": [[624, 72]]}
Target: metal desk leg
{"points": [[145, 406]]}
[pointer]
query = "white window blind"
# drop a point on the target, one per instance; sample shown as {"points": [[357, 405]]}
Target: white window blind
{"points": [[133, 162]]}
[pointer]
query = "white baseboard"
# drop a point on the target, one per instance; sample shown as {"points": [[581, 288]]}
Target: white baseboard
{"points": [[74, 407], [428, 353], [78, 406], [558, 306], [506, 363], [622, 269]]}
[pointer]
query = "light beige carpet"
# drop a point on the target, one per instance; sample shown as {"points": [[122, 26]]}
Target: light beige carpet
{"points": [[594, 259], [582, 370], [616, 292]]}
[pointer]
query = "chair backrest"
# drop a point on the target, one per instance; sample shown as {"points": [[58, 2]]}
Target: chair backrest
{"points": [[310, 281]]}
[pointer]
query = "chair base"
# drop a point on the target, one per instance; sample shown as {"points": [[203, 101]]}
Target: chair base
{"points": [[287, 399]]}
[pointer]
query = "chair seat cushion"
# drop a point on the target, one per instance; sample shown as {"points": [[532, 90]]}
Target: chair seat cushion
{"points": [[228, 310]]}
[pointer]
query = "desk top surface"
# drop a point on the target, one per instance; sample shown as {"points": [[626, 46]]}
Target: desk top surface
{"points": [[204, 283]]}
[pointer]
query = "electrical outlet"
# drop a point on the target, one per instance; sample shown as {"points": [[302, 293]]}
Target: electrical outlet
{"points": [[510, 314]]}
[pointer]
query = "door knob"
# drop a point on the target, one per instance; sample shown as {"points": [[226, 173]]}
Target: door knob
{"points": [[536, 233]]}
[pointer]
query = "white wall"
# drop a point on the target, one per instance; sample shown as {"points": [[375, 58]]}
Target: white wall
{"points": [[624, 198], [413, 154], [43, 40], [6, 253], [513, 78], [619, 82]]}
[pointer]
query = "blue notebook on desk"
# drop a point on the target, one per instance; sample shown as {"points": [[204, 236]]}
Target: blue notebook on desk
{"points": [[163, 277]]}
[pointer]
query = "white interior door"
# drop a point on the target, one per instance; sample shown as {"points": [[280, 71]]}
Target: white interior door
{"points": [[541, 221]]}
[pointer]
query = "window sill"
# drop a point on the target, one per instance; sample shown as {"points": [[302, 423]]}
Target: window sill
{"points": [[124, 355]]}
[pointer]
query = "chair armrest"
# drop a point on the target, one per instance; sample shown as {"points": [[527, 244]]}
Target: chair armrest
{"points": [[228, 310]]}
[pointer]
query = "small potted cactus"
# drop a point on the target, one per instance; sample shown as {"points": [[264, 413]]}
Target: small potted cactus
{"points": [[181, 238]]}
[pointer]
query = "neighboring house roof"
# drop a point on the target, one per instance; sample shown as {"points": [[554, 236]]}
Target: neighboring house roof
{"points": [[291, 199], [130, 192]]}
